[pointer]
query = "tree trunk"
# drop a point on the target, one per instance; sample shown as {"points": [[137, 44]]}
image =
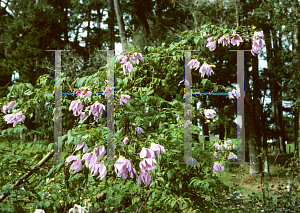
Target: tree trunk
{"points": [[237, 9], [121, 24], [250, 133], [111, 18], [99, 20], [295, 14], [221, 132], [158, 19]]}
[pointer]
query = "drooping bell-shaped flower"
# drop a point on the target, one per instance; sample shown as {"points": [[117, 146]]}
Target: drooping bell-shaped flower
{"points": [[224, 40], [194, 64], [147, 153], [97, 108], [217, 168], [76, 106], [157, 148], [232, 156], [236, 39], [80, 145], [144, 177], [124, 99], [206, 69], [211, 44], [76, 165], [209, 113], [191, 161]]}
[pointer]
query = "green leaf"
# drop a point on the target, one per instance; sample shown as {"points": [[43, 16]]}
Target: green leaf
{"points": [[47, 203], [196, 40], [173, 203], [150, 91], [125, 81], [169, 174], [153, 195]]}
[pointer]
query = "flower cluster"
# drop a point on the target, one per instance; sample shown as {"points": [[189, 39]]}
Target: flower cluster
{"points": [[14, 118], [257, 42], [127, 66], [8, 107], [83, 92], [205, 69], [227, 145], [91, 160], [148, 164]]}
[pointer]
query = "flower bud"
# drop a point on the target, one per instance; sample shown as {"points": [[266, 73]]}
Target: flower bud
{"points": [[9, 174], [214, 121]]}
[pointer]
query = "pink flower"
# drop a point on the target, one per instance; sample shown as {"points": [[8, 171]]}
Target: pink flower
{"points": [[122, 58], [90, 159], [10, 118], [75, 106], [234, 94], [232, 156], [138, 56], [11, 104], [80, 145], [123, 166], [82, 115], [236, 39], [19, 117], [257, 38], [124, 99], [101, 151], [217, 168], [233, 147], [138, 130], [108, 92], [129, 56], [145, 177], [206, 69], [157, 148], [224, 40], [147, 164], [97, 108], [255, 49], [99, 168], [211, 44], [127, 67], [216, 155], [125, 141], [194, 64], [217, 146], [14, 118], [209, 113], [191, 161], [149, 153], [76, 164], [4, 108], [84, 92]]}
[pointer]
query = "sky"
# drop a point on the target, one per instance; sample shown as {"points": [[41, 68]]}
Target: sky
{"points": [[118, 50]]}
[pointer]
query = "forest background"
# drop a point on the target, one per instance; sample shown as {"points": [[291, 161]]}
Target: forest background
{"points": [[29, 27]]}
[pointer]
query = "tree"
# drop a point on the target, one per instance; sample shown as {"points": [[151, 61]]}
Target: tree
{"points": [[121, 24]]}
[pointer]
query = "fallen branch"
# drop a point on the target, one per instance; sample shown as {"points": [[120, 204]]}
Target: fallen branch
{"points": [[28, 174]]}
